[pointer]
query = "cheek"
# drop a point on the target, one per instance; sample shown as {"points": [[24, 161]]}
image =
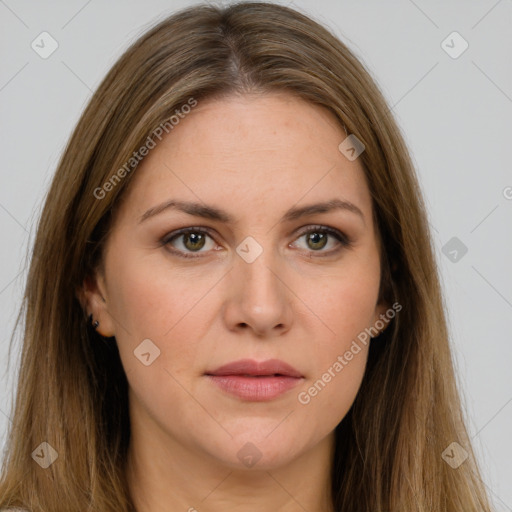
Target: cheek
{"points": [[338, 360], [148, 301], [345, 303], [344, 300], [152, 303], [153, 299], [326, 398], [346, 309]]}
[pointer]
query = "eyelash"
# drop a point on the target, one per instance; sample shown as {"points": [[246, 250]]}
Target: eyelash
{"points": [[338, 235]]}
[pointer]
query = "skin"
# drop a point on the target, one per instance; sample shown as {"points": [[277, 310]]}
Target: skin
{"points": [[254, 156]]}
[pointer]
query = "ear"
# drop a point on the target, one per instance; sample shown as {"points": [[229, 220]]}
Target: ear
{"points": [[92, 295], [382, 318], [384, 312]]}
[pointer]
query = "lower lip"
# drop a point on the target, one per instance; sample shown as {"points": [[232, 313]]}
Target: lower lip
{"points": [[256, 389]]}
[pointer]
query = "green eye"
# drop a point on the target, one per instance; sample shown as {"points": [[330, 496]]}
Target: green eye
{"points": [[317, 238], [192, 240], [187, 241]]}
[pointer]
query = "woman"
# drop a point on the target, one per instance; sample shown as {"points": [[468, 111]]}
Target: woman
{"points": [[233, 301]]}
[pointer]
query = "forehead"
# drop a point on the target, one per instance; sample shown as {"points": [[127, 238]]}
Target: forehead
{"points": [[271, 150]]}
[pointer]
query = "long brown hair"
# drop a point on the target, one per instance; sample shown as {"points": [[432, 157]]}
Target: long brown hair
{"points": [[72, 390]]}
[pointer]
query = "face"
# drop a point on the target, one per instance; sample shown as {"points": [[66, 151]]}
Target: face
{"points": [[249, 273]]}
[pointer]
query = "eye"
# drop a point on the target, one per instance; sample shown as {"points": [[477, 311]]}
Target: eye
{"points": [[187, 241], [190, 240], [317, 238]]}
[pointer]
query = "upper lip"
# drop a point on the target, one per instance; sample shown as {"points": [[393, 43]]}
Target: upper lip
{"points": [[255, 368]]}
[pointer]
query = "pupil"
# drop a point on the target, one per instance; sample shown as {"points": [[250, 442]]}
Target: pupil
{"points": [[194, 238], [318, 238]]}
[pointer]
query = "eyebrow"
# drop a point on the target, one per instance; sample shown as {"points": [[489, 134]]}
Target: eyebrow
{"points": [[213, 213]]}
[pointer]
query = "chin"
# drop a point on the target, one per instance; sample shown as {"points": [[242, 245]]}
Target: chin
{"points": [[254, 453]]}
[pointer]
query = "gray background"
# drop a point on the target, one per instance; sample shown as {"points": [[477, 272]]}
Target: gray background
{"points": [[455, 114]]}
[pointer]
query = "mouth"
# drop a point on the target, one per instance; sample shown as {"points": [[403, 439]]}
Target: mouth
{"points": [[251, 368], [255, 381]]}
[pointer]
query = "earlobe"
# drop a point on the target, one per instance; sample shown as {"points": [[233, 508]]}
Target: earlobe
{"points": [[94, 323], [93, 299]]}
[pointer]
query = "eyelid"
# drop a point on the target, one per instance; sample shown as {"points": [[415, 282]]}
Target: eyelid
{"points": [[189, 229], [342, 237]]}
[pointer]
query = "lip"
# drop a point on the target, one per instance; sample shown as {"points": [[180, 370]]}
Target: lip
{"points": [[256, 381], [254, 368]]}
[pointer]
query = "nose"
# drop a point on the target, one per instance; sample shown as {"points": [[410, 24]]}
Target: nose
{"points": [[258, 297]]}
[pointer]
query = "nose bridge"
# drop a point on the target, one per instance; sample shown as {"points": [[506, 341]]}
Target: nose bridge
{"points": [[259, 298], [254, 265]]}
